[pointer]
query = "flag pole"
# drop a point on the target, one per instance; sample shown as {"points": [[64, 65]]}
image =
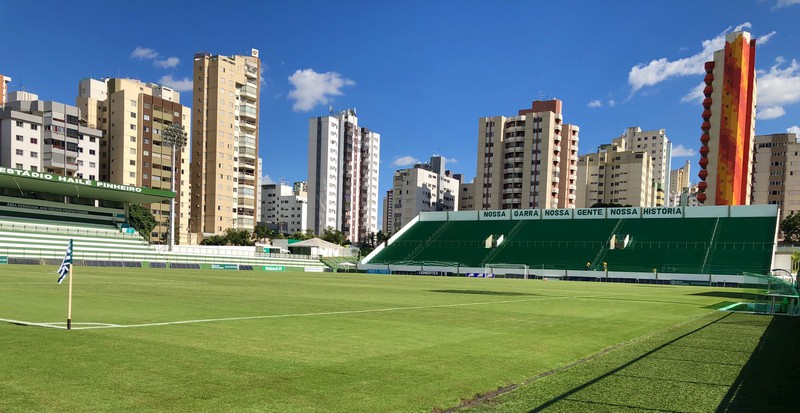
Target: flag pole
{"points": [[69, 300]]}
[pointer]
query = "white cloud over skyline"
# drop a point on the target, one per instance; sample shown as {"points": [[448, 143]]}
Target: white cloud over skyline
{"points": [[146, 53], [681, 151], [405, 161], [595, 104], [312, 88], [181, 85]]}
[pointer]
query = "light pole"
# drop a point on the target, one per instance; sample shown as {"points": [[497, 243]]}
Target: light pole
{"points": [[173, 136]]}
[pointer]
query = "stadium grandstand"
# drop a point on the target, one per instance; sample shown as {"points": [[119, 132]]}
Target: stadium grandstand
{"points": [[663, 244], [41, 212]]}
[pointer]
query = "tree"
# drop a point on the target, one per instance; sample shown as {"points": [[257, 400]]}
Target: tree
{"points": [[261, 232], [141, 219], [383, 236], [333, 235], [214, 240], [239, 237], [790, 227], [302, 236]]}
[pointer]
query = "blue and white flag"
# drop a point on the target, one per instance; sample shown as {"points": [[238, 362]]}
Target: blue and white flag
{"points": [[63, 271]]}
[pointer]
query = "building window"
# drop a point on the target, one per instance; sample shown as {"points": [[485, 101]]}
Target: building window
{"points": [[34, 127], [20, 138], [18, 166], [19, 152], [91, 151], [20, 124], [34, 154], [132, 174], [34, 140]]}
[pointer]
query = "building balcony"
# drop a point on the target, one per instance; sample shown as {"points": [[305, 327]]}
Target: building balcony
{"points": [[573, 158], [251, 71], [247, 112], [248, 92], [571, 197], [573, 168], [248, 125], [555, 180], [572, 187]]}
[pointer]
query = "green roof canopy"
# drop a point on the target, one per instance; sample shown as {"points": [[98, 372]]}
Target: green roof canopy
{"points": [[80, 188]]}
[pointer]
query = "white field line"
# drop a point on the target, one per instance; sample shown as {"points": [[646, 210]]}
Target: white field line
{"points": [[94, 326]]}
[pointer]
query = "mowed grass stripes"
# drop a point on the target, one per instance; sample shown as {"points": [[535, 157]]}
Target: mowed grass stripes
{"points": [[329, 342]]}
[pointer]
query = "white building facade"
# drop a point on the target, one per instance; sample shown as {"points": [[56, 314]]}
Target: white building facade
{"points": [[425, 187], [284, 208], [47, 136], [343, 167]]}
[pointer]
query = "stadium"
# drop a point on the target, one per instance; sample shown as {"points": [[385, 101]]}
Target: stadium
{"points": [[612, 309]]}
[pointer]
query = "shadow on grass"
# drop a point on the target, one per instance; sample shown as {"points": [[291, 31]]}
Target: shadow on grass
{"points": [[570, 397], [482, 292], [728, 294], [769, 380]]}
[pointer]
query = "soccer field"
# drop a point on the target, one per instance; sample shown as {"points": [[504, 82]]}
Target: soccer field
{"points": [[203, 340]]}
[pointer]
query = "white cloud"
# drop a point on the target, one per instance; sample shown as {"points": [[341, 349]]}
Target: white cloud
{"points": [[450, 160], [595, 103], [405, 161], [167, 63], [612, 103], [695, 95], [779, 87], [682, 151], [794, 129], [765, 38], [143, 53], [181, 85], [770, 112], [312, 88], [785, 3], [266, 180], [659, 70]]}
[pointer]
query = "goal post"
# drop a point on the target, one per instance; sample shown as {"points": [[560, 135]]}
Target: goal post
{"points": [[518, 270]]}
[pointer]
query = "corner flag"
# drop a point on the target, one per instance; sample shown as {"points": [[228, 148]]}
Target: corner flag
{"points": [[63, 271]]}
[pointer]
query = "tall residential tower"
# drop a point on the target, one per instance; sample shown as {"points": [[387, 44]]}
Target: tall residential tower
{"points": [[527, 161], [343, 165], [726, 154], [225, 165]]}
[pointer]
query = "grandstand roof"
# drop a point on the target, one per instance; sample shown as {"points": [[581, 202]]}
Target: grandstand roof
{"points": [[80, 188]]}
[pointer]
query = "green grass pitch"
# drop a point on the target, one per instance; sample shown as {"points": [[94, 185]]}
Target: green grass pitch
{"points": [[243, 341]]}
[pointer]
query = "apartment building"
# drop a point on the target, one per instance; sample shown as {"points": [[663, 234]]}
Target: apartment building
{"points": [[528, 160], [132, 116], [284, 208], [615, 174], [425, 187], [467, 200], [776, 172], [47, 136], [659, 147], [343, 166], [726, 154], [224, 173], [678, 182]]}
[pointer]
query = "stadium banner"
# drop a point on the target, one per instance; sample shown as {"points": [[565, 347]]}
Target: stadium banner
{"points": [[432, 272], [557, 213], [273, 268], [433, 216], [496, 215], [662, 212], [224, 266], [462, 215], [624, 212], [313, 269], [710, 211], [589, 213], [754, 211], [3, 259], [378, 271], [522, 214]]}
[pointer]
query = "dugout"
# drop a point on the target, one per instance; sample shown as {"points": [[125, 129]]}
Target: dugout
{"points": [[38, 196]]}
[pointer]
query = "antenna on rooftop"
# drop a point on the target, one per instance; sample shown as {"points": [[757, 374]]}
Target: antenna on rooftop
{"points": [[331, 109]]}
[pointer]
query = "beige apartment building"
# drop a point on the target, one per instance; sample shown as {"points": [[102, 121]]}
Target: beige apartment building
{"points": [[615, 174], [225, 166], [527, 161], [425, 187], [132, 115], [656, 144], [776, 172], [678, 182]]}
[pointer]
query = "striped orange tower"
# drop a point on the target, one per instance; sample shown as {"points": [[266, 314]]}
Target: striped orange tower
{"points": [[728, 123]]}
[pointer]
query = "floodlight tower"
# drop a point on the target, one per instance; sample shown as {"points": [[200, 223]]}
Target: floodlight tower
{"points": [[173, 136]]}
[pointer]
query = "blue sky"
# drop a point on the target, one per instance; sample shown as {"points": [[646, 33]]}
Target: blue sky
{"points": [[421, 73]]}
